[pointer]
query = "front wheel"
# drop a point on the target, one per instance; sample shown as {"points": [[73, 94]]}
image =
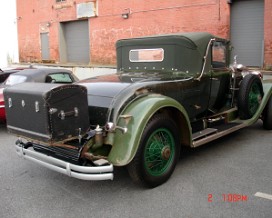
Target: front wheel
{"points": [[250, 96], [157, 154]]}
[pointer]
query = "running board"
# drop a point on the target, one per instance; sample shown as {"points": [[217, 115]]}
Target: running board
{"points": [[210, 134], [203, 133]]}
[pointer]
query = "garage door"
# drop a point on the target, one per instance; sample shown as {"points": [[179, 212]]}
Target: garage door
{"points": [[76, 36], [247, 29]]}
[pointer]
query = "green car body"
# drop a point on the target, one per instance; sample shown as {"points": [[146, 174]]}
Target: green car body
{"points": [[169, 91]]}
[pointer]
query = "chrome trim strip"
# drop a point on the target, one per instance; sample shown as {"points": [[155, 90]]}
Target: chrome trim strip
{"points": [[217, 135], [2, 106], [72, 170], [205, 58]]}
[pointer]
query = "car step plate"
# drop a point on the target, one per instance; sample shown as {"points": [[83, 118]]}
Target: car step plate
{"points": [[203, 133]]}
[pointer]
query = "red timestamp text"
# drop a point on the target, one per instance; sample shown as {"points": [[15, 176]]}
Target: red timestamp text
{"points": [[230, 197]]}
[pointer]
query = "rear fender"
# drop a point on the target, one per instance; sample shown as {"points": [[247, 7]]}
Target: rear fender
{"points": [[125, 145]]}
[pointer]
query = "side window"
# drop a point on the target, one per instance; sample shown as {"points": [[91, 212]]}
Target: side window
{"points": [[218, 54], [59, 78]]}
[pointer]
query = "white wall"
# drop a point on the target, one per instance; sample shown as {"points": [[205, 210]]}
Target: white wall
{"points": [[8, 33]]}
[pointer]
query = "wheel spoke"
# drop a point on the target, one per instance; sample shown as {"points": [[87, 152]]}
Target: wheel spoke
{"points": [[249, 96], [159, 151], [254, 99]]}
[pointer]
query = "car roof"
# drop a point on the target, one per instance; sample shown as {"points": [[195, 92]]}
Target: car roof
{"points": [[5, 74], [194, 40], [9, 71], [39, 74]]}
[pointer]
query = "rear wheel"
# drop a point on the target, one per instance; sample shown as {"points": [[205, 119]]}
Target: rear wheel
{"points": [[157, 154], [250, 96], [267, 115]]}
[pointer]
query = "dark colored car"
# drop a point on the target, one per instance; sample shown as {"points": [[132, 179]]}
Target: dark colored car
{"points": [[4, 74], [171, 91], [42, 75]]}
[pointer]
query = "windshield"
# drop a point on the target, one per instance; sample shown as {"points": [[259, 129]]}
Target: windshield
{"points": [[15, 79]]}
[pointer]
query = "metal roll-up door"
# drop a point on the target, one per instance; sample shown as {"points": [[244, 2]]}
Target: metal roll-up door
{"points": [[76, 36], [247, 31]]}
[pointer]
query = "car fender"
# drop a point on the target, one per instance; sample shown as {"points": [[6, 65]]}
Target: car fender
{"points": [[125, 145], [267, 89]]}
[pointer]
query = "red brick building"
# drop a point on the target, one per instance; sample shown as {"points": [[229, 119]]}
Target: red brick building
{"points": [[85, 31]]}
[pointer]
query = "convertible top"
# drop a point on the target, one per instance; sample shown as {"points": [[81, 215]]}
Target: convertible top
{"points": [[182, 51], [193, 40]]}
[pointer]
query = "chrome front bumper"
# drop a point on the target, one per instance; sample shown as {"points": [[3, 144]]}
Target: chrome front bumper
{"points": [[72, 170]]}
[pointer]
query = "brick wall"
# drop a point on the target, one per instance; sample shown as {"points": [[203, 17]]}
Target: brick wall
{"points": [[38, 16], [151, 17], [268, 34], [147, 17]]}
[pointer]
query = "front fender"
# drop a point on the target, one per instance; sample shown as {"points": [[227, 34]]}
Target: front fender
{"points": [[125, 145], [267, 89]]}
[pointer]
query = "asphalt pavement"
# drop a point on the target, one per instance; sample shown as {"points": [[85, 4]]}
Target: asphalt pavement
{"points": [[220, 179]]}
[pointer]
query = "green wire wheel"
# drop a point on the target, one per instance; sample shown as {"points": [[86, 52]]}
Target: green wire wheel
{"points": [[250, 96], [157, 154]]}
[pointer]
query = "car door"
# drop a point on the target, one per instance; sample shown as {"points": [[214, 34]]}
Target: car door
{"points": [[220, 75]]}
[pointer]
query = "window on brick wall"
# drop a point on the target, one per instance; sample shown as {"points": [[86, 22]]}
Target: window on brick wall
{"points": [[60, 0]]}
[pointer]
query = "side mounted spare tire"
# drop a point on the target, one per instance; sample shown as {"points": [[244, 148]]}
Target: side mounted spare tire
{"points": [[267, 115], [250, 96]]}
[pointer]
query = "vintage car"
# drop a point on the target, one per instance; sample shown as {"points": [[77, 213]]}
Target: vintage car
{"points": [[170, 91], [43, 75]]}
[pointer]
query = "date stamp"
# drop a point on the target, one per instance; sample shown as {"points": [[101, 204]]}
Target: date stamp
{"points": [[228, 197]]}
